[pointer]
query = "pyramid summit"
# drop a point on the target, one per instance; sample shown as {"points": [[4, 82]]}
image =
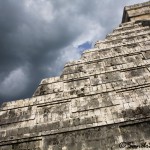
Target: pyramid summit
{"points": [[100, 102], [136, 12]]}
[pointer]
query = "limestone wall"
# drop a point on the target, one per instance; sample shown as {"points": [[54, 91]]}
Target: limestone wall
{"points": [[98, 102], [139, 11]]}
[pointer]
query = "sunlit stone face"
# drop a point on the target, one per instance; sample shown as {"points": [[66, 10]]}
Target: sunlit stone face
{"points": [[99, 102]]}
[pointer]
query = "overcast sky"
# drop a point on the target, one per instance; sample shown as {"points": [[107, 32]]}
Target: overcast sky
{"points": [[37, 37]]}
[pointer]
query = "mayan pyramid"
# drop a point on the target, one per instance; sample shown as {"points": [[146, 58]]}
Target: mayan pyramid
{"points": [[100, 102]]}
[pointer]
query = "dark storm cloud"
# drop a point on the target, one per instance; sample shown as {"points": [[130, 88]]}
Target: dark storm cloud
{"points": [[35, 34]]}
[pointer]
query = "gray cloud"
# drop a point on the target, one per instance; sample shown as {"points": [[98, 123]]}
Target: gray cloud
{"points": [[37, 37]]}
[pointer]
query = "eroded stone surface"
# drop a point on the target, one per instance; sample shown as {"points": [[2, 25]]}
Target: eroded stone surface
{"points": [[98, 102]]}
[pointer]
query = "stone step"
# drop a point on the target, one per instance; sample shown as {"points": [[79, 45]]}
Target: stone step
{"points": [[121, 42], [72, 90], [113, 52], [136, 6], [132, 29], [131, 23], [119, 73], [128, 85], [103, 67], [141, 32], [127, 27], [144, 30], [139, 12], [120, 51]]}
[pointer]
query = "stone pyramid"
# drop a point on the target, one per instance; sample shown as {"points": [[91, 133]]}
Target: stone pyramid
{"points": [[100, 102]]}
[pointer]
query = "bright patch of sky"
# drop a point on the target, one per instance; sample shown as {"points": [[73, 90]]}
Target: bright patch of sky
{"points": [[85, 46]]}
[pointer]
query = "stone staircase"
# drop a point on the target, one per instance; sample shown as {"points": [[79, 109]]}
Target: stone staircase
{"points": [[99, 98]]}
